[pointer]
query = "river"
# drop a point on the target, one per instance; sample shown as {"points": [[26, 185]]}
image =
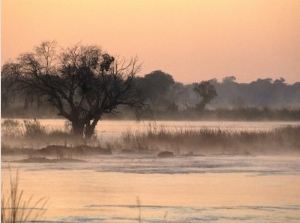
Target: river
{"points": [[123, 188]]}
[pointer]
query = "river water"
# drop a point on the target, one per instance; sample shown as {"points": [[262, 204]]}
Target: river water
{"points": [[143, 188]]}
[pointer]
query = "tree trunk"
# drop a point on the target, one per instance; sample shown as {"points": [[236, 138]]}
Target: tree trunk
{"points": [[90, 128], [200, 107], [78, 128]]}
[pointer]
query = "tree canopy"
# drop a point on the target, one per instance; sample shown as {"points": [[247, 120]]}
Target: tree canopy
{"points": [[82, 82], [154, 85], [207, 91]]}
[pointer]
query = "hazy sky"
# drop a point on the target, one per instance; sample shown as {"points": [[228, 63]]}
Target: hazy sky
{"points": [[192, 40]]}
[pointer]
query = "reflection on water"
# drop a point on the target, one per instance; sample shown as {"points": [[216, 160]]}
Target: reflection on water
{"points": [[181, 189]]}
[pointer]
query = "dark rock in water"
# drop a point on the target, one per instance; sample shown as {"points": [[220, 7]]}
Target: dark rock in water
{"points": [[104, 151], [78, 150], [16, 151], [52, 150], [46, 160], [127, 151], [91, 150], [192, 154], [189, 154], [165, 154]]}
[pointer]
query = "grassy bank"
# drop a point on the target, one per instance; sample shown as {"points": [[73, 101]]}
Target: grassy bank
{"points": [[205, 140], [32, 135]]}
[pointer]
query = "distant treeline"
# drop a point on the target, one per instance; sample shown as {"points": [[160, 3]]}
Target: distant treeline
{"points": [[259, 93], [263, 99], [164, 91]]}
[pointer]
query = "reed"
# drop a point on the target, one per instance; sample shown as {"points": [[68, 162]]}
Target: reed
{"points": [[32, 134], [138, 202], [14, 208], [212, 140]]}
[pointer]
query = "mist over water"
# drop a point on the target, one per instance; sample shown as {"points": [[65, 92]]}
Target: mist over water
{"points": [[125, 188], [108, 130], [91, 169]]}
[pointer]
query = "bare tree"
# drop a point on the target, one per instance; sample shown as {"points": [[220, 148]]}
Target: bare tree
{"points": [[82, 82]]}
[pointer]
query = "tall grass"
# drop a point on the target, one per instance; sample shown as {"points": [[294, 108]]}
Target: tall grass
{"points": [[33, 129], [14, 208], [29, 129], [11, 128], [211, 140], [32, 134]]}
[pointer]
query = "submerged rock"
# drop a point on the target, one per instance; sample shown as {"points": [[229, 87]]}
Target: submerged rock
{"points": [[128, 151], [46, 160], [91, 150], [165, 154], [192, 154], [78, 150]]}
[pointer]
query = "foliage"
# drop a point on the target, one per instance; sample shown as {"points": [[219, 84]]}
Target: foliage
{"points": [[81, 82], [153, 86], [86, 84], [259, 93], [207, 91]]}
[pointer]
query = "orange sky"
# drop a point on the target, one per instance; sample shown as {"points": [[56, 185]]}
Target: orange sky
{"points": [[192, 40]]}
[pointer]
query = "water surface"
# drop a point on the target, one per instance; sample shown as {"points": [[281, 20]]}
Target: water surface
{"points": [[125, 188], [182, 189]]}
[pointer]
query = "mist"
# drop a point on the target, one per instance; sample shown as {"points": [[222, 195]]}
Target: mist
{"points": [[189, 111], [168, 134], [262, 99]]}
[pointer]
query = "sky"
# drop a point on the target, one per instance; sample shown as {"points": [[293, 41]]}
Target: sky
{"points": [[193, 40]]}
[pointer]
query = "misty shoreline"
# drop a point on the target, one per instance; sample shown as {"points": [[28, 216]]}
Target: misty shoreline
{"points": [[219, 114], [35, 140]]}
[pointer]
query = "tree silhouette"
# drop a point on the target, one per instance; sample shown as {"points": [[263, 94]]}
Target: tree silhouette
{"points": [[207, 91], [154, 85], [8, 83], [82, 82]]}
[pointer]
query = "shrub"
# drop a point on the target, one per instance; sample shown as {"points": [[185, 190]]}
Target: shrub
{"points": [[33, 128], [11, 128]]}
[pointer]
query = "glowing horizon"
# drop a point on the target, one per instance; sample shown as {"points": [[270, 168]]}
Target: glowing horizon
{"points": [[191, 40]]}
